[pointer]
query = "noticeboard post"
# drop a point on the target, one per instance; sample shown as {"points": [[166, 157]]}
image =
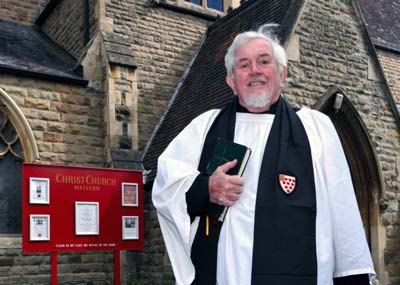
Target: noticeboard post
{"points": [[70, 209]]}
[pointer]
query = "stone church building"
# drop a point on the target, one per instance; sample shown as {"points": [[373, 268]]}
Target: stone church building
{"points": [[110, 83], [332, 59]]}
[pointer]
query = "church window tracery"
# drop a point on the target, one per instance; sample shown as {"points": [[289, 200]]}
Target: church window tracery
{"points": [[11, 158]]}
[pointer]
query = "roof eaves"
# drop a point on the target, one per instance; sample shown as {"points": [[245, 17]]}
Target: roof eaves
{"points": [[43, 75], [388, 94], [384, 45]]}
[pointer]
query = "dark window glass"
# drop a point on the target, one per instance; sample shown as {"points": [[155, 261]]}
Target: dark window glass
{"points": [[212, 4], [10, 191], [198, 2], [215, 4], [11, 157]]}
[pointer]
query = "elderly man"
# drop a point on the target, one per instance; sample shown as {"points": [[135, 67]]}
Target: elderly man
{"points": [[309, 235]]}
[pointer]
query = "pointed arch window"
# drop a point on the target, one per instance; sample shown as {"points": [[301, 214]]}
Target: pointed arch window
{"points": [[9, 139], [11, 158]]}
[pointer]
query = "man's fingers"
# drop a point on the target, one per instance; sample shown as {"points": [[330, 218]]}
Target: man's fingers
{"points": [[232, 197], [232, 188], [229, 199], [226, 195], [225, 189], [236, 180], [227, 166]]}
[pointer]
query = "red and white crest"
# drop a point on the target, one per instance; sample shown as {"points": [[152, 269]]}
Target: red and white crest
{"points": [[288, 183]]}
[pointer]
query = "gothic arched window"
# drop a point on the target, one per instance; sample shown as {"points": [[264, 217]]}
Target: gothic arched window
{"points": [[11, 158]]}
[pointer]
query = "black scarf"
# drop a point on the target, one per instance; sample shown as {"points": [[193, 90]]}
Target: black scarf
{"points": [[284, 250]]}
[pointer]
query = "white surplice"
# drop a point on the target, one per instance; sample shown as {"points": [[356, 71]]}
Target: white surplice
{"points": [[340, 239]]}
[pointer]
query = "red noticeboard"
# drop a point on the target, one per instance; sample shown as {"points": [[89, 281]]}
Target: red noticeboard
{"points": [[66, 209]]}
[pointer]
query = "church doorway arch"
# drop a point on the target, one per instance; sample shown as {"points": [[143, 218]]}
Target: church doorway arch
{"points": [[363, 164]]}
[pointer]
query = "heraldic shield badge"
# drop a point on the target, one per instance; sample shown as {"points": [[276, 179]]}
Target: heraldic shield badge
{"points": [[288, 183]]}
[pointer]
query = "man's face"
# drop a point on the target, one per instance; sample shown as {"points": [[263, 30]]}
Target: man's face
{"points": [[256, 80]]}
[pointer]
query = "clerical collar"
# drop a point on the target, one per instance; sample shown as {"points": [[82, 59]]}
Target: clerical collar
{"points": [[271, 110]]}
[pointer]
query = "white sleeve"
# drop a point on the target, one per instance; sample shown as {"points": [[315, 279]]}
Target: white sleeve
{"points": [[176, 172], [351, 251]]}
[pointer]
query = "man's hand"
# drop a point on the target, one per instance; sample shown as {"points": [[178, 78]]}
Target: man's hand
{"points": [[225, 189]]}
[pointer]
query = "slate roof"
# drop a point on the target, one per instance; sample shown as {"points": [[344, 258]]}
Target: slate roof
{"points": [[26, 51], [203, 87], [383, 20]]}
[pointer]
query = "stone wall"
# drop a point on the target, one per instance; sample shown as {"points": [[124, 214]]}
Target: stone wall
{"points": [[65, 25], [390, 63], [334, 52], [73, 268], [22, 11], [152, 266], [66, 120], [163, 43], [391, 218], [67, 124]]}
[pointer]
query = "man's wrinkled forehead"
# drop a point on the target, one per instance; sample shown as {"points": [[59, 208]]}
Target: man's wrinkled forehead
{"points": [[255, 48], [262, 55]]}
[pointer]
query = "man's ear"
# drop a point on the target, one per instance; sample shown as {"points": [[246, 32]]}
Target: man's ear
{"points": [[283, 76], [231, 83]]}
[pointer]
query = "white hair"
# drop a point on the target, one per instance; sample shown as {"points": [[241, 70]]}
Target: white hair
{"points": [[265, 33]]}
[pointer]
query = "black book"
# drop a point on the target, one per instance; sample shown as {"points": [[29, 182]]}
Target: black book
{"points": [[224, 152]]}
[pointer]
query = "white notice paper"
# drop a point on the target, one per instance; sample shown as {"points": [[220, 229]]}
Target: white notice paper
{"points": [[86, 218]]}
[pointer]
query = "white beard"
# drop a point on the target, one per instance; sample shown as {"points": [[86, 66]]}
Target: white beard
{"points": [[257, 100]]}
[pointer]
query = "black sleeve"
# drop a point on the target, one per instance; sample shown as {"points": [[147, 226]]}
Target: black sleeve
{"points": [[361, 279], [197, 197]]}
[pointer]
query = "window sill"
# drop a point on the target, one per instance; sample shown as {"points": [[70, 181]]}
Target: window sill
{"points": [[189, 8], [10, 241]]}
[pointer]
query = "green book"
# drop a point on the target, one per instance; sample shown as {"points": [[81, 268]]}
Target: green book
{"points": [[224, 152]]}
